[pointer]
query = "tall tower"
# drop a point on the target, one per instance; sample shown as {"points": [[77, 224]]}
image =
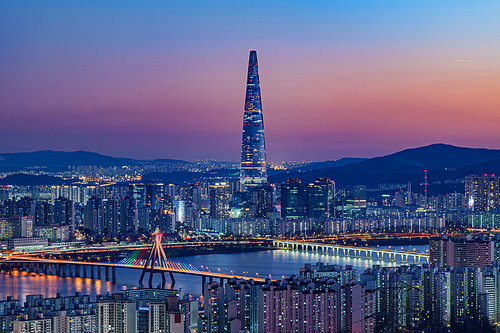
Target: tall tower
{"points": [[253, 145]]}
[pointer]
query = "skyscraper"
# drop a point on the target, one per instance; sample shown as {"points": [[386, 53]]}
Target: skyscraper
{"points": [[253, 146], [293, 199]]}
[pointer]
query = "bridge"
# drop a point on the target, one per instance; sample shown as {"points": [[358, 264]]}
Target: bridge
{"points": [[151, 259], [366, 253], [118, 247]]}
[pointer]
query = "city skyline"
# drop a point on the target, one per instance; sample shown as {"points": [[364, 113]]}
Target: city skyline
{"points": [[164, 80]]}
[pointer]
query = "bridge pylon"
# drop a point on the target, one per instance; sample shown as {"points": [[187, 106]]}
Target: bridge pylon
{"points": [[156, 258]]}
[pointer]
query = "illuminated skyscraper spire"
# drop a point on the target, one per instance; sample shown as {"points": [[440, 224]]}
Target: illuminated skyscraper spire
{"points": [[253, 145]]}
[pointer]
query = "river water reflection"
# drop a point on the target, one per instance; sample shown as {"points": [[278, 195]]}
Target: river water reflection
{"points": [[274, 263]]}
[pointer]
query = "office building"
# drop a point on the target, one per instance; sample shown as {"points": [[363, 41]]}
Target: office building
{"points": [[293, 199], [319, 195]]}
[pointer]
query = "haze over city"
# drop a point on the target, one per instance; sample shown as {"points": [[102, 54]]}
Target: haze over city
{"points": [[167, 79]]}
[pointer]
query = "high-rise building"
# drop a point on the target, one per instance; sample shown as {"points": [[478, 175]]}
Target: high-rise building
{"points": [[93, 215], [319, 195], [22, 226], [482, 192], [116, 314], [138, 192], [355, 200], [128, 215], [213, 296], [154, 194], [64, 213], [293, 199], [26, 325], [461, 252], [465, 291], [219, 200], [111, 215], [253, 146]]}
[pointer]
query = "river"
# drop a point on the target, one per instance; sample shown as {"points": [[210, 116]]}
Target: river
{"points": [[274, 263]]}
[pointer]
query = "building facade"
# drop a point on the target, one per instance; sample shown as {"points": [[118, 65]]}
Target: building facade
{"points": [[253, 147]]}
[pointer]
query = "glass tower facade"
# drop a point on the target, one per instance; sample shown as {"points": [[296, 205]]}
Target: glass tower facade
{"points": [[253, 146]]}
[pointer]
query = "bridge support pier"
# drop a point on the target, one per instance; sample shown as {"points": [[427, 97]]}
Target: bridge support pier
{"points": [[64, 268], [113, 271], [203, 282], [92, 269], [99, 272], [84, 270], [77, 270], [172, 279]]}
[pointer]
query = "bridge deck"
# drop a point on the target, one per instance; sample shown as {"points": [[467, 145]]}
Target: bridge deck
{"points": [[23, 259], [356, 248]]}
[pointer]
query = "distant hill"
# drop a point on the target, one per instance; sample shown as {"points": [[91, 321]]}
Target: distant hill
{"points": [[432, 157], [443, 162], [21, 179], [60, 160]]}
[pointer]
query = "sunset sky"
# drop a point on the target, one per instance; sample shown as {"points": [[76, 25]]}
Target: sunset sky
{"points": [[166, 79]]}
